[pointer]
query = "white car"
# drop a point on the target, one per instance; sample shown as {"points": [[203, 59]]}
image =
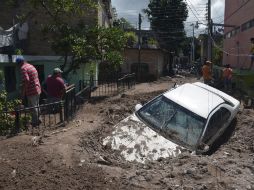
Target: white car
{"points": [[190, 116]]}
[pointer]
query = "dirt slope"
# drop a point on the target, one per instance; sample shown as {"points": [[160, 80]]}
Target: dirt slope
{"points": [[74, 157]]}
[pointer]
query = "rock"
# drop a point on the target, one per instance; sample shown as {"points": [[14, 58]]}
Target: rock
{"points": [[189, 171], [138, 172], [103, 161], [146, 167], [227, 154], [148, 177], [37, 140], [238, 171], [202, 163], [160, 159], [13, 173]]}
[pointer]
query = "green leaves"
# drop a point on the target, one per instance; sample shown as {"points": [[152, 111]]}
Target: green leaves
{"points": [[167, 20], [7, 114]]}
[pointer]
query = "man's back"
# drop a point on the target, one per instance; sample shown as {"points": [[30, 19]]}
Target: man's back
{"points": [[30, 79], [227, 73], [55, 86], [206, 72]]}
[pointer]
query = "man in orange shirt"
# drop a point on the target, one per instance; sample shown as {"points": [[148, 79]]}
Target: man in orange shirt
{"points": [[227, 76], [207, 73]]}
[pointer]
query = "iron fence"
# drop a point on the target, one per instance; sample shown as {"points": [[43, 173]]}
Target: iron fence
{"points": [[69, 103], [111, 87], [47, 115], [51, 115]]}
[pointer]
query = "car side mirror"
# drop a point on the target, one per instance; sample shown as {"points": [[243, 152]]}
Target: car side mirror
{"points": [[138, 107]]}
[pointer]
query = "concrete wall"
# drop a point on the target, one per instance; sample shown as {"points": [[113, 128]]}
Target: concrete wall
{"points": [[238, 44], [154, 58]]}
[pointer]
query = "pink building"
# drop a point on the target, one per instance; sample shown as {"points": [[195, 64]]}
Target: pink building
{"points": [[240, 14]]}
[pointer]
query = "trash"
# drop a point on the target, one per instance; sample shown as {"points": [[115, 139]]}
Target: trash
{"points": [[37, 140]]}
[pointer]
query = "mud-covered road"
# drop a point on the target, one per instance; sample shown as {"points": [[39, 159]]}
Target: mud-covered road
{"points": [[74, 157]]}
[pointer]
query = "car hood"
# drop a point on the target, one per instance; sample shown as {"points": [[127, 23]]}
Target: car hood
{"points": [[138, 142]]}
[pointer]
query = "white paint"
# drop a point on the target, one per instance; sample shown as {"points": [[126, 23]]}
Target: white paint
{"points": [[137, 142]]}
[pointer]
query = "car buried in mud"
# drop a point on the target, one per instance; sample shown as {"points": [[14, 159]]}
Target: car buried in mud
{"points": [[187, 117]]}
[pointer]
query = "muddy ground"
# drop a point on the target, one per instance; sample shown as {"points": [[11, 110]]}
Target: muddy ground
{"points": [[73, 157]]}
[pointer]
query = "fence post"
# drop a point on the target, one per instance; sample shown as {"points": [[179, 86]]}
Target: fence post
{"points": [[74, 99], [61, 112], [17, 121], [66, 107]]}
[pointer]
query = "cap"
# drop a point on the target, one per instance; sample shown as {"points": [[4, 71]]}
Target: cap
{"points": [[20, 59], [208, 62], [57, 70]]}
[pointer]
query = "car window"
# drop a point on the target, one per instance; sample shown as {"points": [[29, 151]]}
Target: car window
{"points": [[217, 121], [173, 120]]}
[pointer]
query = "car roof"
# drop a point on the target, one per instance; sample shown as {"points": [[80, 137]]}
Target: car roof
{"points": [[195, 98]]}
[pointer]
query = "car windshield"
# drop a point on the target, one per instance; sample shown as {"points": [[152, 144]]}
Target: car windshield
{"points": [[173, 121]]}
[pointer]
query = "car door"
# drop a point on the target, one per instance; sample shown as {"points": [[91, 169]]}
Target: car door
{"points": [[218, 121]]}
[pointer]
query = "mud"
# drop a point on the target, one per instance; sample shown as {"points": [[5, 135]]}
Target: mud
{"points": [[75, 157]]}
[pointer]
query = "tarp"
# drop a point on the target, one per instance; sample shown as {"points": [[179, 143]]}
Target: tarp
{"points": [[6, 36]]}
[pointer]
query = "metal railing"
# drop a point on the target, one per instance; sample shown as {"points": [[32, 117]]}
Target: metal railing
{"points": [[128, 81], [111, 87], [51, 115], [69, 103], [47, 115]]}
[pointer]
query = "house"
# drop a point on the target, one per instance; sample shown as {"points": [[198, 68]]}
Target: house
{"points": [[152, 64], [35, 48], [238, 14]]}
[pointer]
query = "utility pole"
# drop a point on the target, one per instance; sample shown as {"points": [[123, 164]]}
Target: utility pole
{"points": [[210, 26], [139, 46], [193, 43]]}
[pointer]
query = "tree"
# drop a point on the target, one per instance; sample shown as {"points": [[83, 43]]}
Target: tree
{"points": [[120, 22], [123, 23], [167, 20], [72, 38]]}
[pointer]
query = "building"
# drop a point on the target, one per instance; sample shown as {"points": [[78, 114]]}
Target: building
{"points": [[240, 15], [36, 49], [152, 58], [35, 42]]}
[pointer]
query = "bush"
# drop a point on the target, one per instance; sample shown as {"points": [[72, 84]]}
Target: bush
{"points": [[7, 114]]}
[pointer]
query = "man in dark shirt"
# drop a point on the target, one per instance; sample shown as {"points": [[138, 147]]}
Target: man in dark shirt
{"points": [[55, 86]]}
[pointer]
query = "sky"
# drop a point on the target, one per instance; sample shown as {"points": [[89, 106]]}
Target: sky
{"points": [[130, 9]]}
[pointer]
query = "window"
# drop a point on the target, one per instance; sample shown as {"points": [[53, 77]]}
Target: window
{"points": [[217, 121], [248, 25], [173, 120], [228, 35], [10, 78]]}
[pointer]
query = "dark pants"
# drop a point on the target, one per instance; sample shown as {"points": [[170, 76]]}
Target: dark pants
{"points": [[227, 84], [207, 81]]}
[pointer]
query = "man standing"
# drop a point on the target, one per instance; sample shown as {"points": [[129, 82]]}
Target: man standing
{"points": [[227, 76], [207, 73], [31, 87], [252, 52], [55, 86]]}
